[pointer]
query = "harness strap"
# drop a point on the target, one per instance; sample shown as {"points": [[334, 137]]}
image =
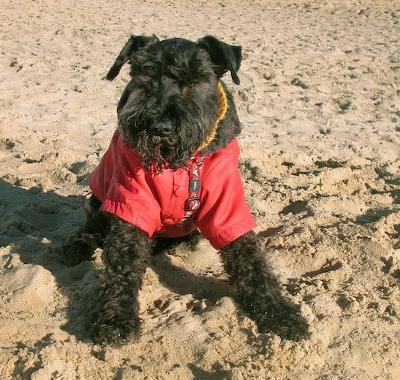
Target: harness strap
{"points": [[193, 202]]}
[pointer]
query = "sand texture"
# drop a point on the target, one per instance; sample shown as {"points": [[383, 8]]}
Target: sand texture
{"points": [[319, 104]]}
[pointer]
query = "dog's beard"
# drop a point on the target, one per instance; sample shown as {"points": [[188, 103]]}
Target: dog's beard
{"points": [[172, 151], [159, 153]]}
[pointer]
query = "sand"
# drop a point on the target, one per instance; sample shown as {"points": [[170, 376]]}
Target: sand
{"points": [[319, 104]]}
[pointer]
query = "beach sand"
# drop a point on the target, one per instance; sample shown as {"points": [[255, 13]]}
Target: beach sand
{"points": [[320, 109]]}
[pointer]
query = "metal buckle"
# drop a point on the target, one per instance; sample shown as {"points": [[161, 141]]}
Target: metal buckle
{"points": [[194, 185]]}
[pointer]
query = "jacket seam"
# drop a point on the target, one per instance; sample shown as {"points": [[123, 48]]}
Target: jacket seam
{"points": [[135, 215]]}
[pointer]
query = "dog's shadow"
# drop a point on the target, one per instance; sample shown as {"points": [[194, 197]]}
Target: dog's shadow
{"points": [[182, 282], [34, 224]]}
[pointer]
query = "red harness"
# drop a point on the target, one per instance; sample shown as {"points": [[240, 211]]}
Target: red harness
{"points": [[193, 202]]}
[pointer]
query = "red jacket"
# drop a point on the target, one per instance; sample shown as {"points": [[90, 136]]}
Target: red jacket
{"points": [[155, 202]]}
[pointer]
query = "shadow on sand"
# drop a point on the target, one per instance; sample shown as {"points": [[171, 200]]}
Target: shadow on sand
{"points": [[35, 224]]}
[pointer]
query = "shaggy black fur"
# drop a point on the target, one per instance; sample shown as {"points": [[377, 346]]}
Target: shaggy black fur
{"points": [[258, 291], [165, 112], [81, 245], [170, 105], [164, 244], [126, 255]]}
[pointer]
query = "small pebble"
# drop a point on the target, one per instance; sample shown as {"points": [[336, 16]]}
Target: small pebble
{"points": [[344, 104], [299, 83], [324, 130], [268, 75]]}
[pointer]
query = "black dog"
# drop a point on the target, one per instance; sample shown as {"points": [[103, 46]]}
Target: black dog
{"points": [[171, 169]]}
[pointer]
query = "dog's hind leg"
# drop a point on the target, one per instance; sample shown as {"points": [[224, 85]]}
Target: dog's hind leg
{"points": [[82, 243], [126, 255], [258, 291], [164, 244]]}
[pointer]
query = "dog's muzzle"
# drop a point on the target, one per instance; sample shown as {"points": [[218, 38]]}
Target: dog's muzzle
{"points": [[162, 129]]}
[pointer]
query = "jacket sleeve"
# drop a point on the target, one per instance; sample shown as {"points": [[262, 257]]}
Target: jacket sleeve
{"points": [[134, 203], [123, 188], [224, 215]]}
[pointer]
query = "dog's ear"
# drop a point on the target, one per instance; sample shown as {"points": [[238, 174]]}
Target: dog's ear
{"points": [[134, 44], [225, 57]]}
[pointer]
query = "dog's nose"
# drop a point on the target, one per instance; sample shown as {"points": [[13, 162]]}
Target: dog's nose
{"points": [[162, 129]]}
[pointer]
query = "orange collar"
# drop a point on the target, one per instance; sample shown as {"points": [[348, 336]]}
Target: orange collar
{"points": [[223, 107]]}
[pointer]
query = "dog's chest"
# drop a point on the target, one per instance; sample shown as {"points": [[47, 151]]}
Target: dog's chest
{"points": [[179, 195], [170, 188]]}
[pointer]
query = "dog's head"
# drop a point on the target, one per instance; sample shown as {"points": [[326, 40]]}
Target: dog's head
{"points": [[171, 104]]}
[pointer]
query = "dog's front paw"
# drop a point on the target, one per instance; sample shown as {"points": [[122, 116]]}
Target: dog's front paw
{"points": [[279, 317], [115, 332]]}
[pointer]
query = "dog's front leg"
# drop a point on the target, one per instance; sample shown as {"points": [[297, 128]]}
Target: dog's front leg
{"points": [[126, 255], [257, 289]]}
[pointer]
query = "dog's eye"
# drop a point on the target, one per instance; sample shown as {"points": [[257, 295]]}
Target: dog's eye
{"points": [[143, 70], [187, 89]]}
